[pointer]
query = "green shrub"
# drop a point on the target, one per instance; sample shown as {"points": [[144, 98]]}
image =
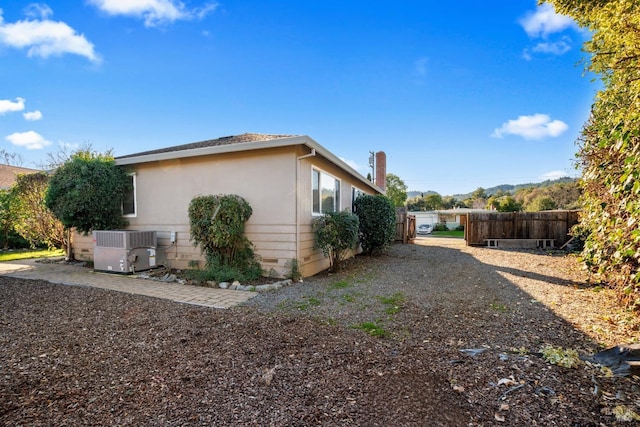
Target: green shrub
{"points": [[295, 272], [377, 216], [460, 228], [336, 233], [217, 225], [87, 192], [441, 226], [217, 271]]}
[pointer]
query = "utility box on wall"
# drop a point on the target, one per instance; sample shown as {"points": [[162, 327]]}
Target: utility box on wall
{"points": [[124, 251]]}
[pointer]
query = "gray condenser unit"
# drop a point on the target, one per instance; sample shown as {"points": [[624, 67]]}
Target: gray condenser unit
{"points": [[124, 251]]}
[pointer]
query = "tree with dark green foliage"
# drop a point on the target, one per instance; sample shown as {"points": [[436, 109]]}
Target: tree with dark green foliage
{"points": [[87, 192], [479, 193], [396, 190], [541, 203], [504, 202], [34, 221], [609, 146], [478, 199], [377, 216], [427, 202], [217, 226], [8, 216], [336, 233]]}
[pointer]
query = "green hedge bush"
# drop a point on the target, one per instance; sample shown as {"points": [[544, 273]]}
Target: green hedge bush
{"points": [[217, 225], [377, 216], [336, 233]]}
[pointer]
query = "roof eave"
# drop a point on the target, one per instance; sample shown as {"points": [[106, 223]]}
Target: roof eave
{"points": [[249, 146]]}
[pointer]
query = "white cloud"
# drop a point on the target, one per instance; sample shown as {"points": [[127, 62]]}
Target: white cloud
{"points": [[544, 21], [154, 12], [202, 12], [32, 116], [30, 140], [555, 48], [38, 10], [43, 37], [553, 175], [536, 126], [7, 106], [353, 164]]}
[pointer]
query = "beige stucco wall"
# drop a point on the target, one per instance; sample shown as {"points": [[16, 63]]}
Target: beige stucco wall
{"points": [[268, 179], [265, 178], [313, 260]]}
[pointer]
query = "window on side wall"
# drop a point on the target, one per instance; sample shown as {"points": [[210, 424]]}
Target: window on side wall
{"points": [[325, 192], [355, 193], [129, 202]]}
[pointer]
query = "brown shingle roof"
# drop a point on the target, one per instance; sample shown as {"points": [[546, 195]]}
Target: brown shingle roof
{"points": [[225, 140], [8, 175]]}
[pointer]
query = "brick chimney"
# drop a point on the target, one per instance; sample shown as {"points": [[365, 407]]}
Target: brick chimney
{"points": [[381, 170]]}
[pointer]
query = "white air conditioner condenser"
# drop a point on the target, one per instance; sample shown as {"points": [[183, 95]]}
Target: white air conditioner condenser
{"points": [[124, 251]]}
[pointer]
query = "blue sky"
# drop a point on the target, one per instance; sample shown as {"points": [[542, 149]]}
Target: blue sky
{"points": [[459, 95]]}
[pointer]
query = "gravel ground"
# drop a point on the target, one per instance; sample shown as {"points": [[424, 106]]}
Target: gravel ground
{"points": [[378, 343]]}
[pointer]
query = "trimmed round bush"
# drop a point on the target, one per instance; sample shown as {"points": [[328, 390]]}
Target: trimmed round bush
{"points": [[377, 216]]}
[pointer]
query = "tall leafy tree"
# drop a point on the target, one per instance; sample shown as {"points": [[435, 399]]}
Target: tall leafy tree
{"points": [[33, 220], [609, 147], [479, 193], [504, 203], [433, 202], [428, 202], [396, 190], [87, 192]]}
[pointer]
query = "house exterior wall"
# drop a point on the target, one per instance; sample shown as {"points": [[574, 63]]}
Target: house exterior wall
{"points": [[313, 260], [265, 179], [276, 182]]}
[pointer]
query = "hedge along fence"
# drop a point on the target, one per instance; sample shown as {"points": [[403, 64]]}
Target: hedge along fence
{"points": [[520, 225]]}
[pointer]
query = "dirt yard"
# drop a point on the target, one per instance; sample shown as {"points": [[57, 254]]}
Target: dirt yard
{"points": [[434, 333]]}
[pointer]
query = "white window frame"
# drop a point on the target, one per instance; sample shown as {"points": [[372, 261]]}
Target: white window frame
{"points": [[355, 192], [336, 191], [135, 199]]}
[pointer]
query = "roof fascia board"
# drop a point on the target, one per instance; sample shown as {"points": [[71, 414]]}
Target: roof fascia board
{"points": [[249, 146], [216, 149], [341, 164]]}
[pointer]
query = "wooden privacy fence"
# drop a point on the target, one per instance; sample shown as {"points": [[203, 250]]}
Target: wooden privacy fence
{"points": [[405, 226], [555, 225]]}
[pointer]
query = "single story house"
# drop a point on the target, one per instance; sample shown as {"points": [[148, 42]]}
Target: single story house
{"points": [[425, 217], [289, 181], [8, 175], [453, 218]]}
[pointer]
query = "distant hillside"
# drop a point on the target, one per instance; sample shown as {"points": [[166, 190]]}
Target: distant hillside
{"points": [[513, 188], [509, 188]]}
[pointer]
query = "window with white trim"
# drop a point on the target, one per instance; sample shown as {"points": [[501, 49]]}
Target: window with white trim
{"points": [[129, 201], [355, 193], [325, 192]]}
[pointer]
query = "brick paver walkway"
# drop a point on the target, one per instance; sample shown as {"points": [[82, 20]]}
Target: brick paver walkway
{"points": [[82, 276]]}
